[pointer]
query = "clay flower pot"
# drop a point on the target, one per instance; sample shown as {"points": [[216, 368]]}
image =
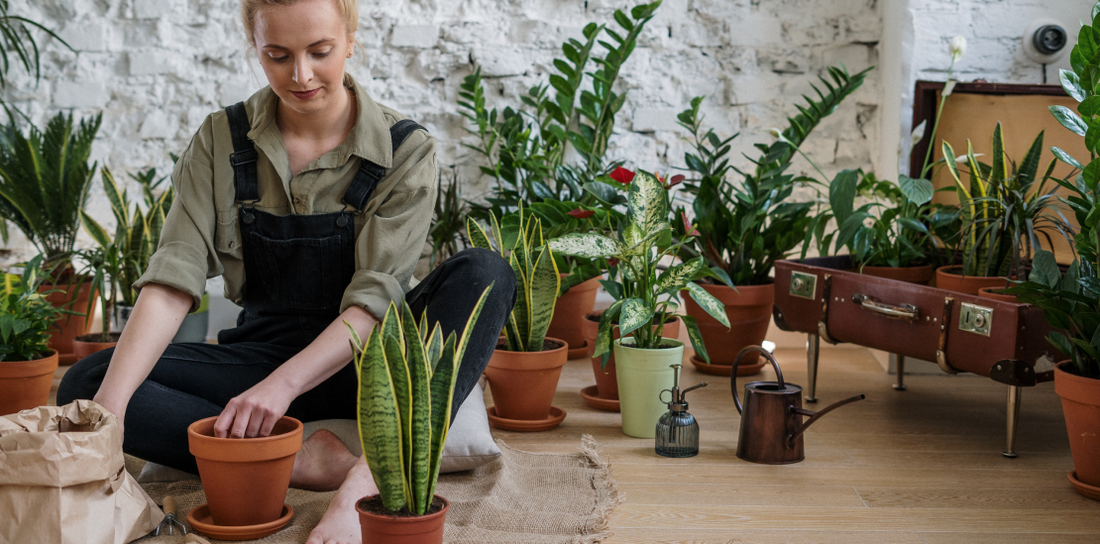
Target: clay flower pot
{"points": [[87, 344], [749, 309], [245, 479], [386, 528], [951, 278], [68, 327], [909, 274], [996, 294], [569, 311], [523, 383], [26, 384], [607, 384], [1081, 407]]}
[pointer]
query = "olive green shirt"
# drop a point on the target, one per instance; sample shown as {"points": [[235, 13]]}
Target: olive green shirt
{"points": [[202, 238]]}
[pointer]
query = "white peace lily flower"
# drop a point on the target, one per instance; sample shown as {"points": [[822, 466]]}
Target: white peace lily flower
{"points": [[957, 47], [775, 132], [918, 134]]}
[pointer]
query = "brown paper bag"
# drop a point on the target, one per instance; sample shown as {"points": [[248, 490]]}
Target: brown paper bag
{"points": [[63, 479]]}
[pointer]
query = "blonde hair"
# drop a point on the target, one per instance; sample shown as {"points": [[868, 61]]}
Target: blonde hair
{"points": [[348, 8]]}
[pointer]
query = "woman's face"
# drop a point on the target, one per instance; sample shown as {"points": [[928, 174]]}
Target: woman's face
{"points": [[302, 49]]}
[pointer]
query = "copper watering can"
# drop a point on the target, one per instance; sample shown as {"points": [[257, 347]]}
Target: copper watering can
{"points": [[771, 418]]}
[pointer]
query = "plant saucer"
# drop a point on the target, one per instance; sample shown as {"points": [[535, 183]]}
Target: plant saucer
{"points": [[1087, 490], [591, 397], [557, 415], [201, 521], [578, 352], [725, 370]]}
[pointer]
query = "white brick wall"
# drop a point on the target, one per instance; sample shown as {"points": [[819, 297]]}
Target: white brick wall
{"points": [[157, 67]]}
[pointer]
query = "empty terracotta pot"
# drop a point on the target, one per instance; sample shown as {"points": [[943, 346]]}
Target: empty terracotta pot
{"points": [[909, 274], [951, 278], [749, 310], [26, 384], [385, 528], [523, 383], [68, 327], [607, 383], [569, 312], [245, 479]]}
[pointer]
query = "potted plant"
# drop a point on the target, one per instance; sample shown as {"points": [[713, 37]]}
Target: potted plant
{"points": [[44, 182], [645, 296], [744, 230], [406, 387], [1003, 208], [27, 363], [523, 371], [103, 270]]}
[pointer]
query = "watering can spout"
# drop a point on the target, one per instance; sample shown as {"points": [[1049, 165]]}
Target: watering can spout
{"points": [[814, 416]]}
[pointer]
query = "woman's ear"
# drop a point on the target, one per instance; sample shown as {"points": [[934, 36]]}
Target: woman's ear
{"points": [[351, 44]]}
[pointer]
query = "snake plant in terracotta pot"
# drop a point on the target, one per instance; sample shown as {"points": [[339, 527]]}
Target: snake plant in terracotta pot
{"points": [[407, 376], [27, 363], [645, 295], [524, 370]]}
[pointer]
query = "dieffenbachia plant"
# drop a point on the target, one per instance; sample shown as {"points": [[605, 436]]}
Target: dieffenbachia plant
{"points": [[537, 278], [406, 388], [646, 295]]}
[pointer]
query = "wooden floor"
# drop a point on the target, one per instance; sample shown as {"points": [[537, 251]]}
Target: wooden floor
{"points": [[919, 466]]}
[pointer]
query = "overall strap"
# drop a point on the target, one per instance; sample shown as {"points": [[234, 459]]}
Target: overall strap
{"points": [[244, 155], [369, 174]]}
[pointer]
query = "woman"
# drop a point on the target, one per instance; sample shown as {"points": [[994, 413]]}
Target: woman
{"points": [[313, 202]]}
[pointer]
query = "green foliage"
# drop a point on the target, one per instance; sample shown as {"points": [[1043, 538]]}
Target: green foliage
{"points": [[536, 270], [18, 45], [407, 378], [1004, 208], [744, 229], [645, 295], [25, 315], [104, 268], [446, 234], [44, 181]]}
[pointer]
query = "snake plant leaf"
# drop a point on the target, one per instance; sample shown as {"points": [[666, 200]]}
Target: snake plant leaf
{"points": [[434, 346], [116, 198], [708, 303], [677, 277], [420, 408], [393, 343], [999, 172], [647, 202], [498, 234], [545, 283], [949, 160], [379, 425], [521, 311], [635, 314], [95, 230], [603, 335], [696, 337], [477, 235], [587, 245], [424, 326], [442, 387], [918, 191]]}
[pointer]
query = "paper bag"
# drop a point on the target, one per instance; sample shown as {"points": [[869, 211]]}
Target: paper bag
{"points": [[63, 479]]}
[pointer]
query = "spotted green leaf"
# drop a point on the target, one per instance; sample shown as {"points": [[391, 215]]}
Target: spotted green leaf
{"points": [[708, 303], [635, 314], [675, 278], [647, 202], [587, 245], [696, 337]]}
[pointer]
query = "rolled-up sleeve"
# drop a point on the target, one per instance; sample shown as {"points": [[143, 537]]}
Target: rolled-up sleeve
{"points": [[185, 254], [389, 245]]}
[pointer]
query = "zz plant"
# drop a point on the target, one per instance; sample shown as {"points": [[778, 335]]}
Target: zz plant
{"points": [[537, 278], [407, 375], [645, 294], [25, 315]]}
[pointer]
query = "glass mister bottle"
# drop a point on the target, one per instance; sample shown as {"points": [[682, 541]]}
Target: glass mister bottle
{"points": [[677, 430]]}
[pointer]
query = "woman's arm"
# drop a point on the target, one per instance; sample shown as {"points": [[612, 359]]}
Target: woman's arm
{"points": [[254, 412], [157, 316]]}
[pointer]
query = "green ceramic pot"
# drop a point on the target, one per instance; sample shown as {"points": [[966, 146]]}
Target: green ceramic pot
{"points": [[642, 374]]}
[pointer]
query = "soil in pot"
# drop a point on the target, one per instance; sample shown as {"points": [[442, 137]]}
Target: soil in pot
{"points": [[383, 526], [607, 385], [920, 275], [245, 479], [749, 309], [26, 384], [569, 311], [1081, 407], [951, 278], [523, 383], [87, 344], [68, 327], [642, 375]]}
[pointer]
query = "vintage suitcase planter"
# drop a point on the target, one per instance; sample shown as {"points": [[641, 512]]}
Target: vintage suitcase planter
{"points": [[960, 332]]}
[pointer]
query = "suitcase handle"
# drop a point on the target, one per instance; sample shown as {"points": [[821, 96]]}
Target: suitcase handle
{"points": [[905, 311]]}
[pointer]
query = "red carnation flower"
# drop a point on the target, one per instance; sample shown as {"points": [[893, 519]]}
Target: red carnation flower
{"points": [[582, 214], [622, 175]]}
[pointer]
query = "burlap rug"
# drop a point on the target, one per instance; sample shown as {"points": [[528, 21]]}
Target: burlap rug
{"points": [[522, 497]]}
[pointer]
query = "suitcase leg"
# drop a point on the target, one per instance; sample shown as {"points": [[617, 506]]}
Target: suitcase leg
{"points": [[900, 364], [813, 347], [1013, 418]]}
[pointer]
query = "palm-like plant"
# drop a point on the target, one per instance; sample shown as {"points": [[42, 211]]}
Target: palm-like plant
{"points": [[44, 181], [407, 378]]}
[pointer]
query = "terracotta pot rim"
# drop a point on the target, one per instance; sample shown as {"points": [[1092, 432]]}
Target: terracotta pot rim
{"points": [[914, 267], [531, 360], [31, 368], [563, 345], [952, 270], [113, 335], [1070, 386], [402, 519], [275, 446], [590, 284]]}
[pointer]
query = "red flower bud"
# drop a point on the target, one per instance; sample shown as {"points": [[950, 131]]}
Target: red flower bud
{"points": [[582, 214], [622, 175], [676, 180], [688, 228], [612, 262]]}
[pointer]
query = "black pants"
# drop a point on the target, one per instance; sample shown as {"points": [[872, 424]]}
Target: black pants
{"points": [[194, 381]]}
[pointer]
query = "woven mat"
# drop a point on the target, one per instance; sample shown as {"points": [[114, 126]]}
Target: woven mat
{"points": [[523, 497]]}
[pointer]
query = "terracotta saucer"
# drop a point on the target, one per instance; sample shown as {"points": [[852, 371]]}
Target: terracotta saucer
{"points": [[201, 521], [578, 352], [725, 370], [1087, 490], [523, 425], [591, 396]]}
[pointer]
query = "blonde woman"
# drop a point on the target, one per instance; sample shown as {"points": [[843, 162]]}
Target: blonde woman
{"points": [[313, 202]]}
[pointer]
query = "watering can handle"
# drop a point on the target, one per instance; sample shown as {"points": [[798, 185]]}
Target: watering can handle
{"points": [[733, 372]]}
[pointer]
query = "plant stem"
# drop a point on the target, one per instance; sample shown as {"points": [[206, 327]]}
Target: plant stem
{"points": [[936, 124]]}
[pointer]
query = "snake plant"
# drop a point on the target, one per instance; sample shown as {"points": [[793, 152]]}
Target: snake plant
{"points": [[407, 379], [536, 272]]}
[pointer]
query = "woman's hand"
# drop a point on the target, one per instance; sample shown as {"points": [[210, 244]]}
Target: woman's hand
{"points": [[115, 407], [255, 412]]}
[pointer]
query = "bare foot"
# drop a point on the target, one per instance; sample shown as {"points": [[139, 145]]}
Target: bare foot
{"points": [[340, 524], [322, 464]]}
